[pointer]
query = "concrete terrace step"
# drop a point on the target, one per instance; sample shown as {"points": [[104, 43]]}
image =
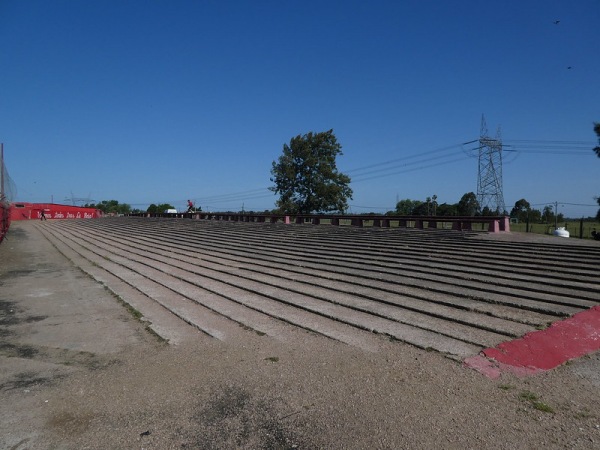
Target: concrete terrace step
{"points": [[205, 321], [295, 269], [464, 325], [239, 306], [337, 282], [541, 303], [327, 319], [559, 289], [167, 326]]}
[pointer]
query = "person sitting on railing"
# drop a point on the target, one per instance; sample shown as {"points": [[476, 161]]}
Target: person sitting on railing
{"points": [[190, 206]]}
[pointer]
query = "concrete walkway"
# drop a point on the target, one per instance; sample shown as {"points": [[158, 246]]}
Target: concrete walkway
{"points": [[54, 321]]}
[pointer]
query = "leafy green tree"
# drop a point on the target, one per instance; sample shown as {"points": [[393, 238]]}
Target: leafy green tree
{"points": [[422, 209], [521, 210], [306, 175], [446, 209], [157, 209], [407, 206], [468, 205], [112, 207], [535, 215], [548, 214]]}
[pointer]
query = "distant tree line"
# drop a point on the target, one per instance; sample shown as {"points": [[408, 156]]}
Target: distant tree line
{"points": [[467, 206], [110, 207], [160, 208], [523, 212], [114, 207]]}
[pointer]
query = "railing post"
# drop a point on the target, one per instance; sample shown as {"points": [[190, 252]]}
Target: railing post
{"points": [[494, 226], [357, 222]]}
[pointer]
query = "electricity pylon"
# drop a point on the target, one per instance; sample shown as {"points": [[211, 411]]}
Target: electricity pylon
{"points": [[489, 179]]}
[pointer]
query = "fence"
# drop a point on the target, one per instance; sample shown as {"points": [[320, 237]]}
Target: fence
{"points": [[7, 193], [492, 224], [581, 229], [4, 219]]}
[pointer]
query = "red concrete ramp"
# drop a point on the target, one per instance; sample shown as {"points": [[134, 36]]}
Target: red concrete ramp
{"points": [[542, 350]]}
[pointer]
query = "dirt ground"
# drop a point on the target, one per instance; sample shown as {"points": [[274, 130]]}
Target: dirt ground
{"points": [[78, 371]]}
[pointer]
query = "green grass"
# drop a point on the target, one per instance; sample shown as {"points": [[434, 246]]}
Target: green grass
{"points": [[541, 406], [572, 226], [528, 396], [533, 399]]}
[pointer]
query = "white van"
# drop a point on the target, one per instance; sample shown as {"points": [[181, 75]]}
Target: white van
{"points": [[170, 211]]}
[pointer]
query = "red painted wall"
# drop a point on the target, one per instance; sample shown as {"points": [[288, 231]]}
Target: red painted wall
{"points": [[28, 211]]}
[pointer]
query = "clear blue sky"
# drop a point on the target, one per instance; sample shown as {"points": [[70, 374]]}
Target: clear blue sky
{"points": [[161, 101]]}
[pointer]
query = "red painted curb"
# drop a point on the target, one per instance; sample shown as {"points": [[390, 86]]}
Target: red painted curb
{"points": [[542, 350]]}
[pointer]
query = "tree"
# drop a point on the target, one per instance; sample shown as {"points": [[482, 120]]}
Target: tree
{"points": [[521, 210], [407, 207], [421, 209], [446, 209], [548, 214], [468, 205], [535, 216], [112, 207], [157, 209], [306, 176]]}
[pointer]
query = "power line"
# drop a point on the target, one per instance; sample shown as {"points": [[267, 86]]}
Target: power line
{"points": [[420, 161], [408, 157], [406, 170]]}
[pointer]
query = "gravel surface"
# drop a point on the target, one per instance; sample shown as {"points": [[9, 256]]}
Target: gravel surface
{"points": [[77, 371]]}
